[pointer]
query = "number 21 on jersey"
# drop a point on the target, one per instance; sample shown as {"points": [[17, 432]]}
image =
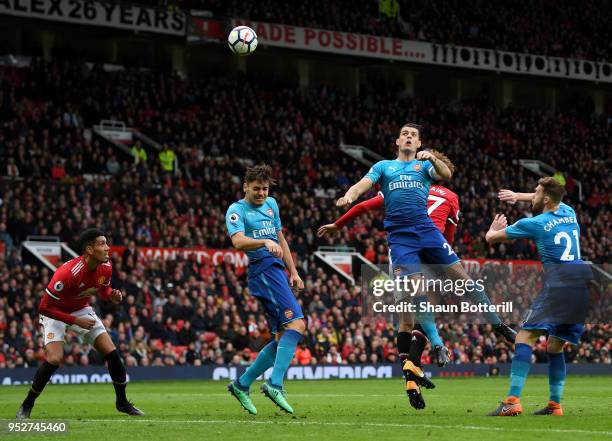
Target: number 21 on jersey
{"points": [[562, 236]]}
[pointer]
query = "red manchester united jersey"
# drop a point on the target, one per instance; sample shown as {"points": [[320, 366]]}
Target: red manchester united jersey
{"points": [[443, 209], [71, 287]]}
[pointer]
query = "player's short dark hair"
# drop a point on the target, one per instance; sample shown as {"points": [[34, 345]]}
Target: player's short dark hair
{"points": [[552, 188], [260, 172], [414, 126], [445, 159], [88, 238]]}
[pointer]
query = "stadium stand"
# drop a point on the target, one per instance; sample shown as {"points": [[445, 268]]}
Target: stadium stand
{"points": [[178, 312]]}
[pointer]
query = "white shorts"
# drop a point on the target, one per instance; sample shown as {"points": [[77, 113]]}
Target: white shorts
{"points": [[55, 330]]}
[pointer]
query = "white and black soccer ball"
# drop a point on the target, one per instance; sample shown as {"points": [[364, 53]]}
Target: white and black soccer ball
{"points": [[242, 40]]}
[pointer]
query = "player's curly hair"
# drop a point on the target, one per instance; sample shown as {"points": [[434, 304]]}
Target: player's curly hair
{"points": [[88, 238], [552, 188], [445, 159], [262, 172]]}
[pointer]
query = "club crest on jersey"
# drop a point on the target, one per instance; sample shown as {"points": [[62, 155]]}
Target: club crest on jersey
{"points": [[50, 335], [58, 286], [397, 271], [101, 280], [417, 166], [233, 217], [270, 212], [288, 314]]}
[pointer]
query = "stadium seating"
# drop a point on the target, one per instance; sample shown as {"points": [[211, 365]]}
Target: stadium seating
{"points": [[47, 106]]}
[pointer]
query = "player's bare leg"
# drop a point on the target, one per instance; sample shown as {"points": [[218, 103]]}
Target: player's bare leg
{"points": [[105, 346], [457, 272], [54, 353]]}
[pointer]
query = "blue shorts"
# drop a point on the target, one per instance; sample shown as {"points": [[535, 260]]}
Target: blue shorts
{"points": [[560, 312], [420, 243], [271, 287]]}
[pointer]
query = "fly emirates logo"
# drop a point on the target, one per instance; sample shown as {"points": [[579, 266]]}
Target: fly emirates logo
{"points": [[405, 181], [268, 230]]}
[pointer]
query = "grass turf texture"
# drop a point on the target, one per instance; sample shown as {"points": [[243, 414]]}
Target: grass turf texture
{"points": [[328, 409]]}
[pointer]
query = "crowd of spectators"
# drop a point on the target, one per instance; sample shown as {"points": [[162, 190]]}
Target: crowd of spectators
{"points": [[177, 313], [562, 28], [181, 312]]}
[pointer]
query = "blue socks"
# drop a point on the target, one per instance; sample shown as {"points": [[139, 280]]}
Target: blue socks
{"points": [[556, 375], [265, 359], [521, 363], [427, 322], [284, 354], [479, 296]]}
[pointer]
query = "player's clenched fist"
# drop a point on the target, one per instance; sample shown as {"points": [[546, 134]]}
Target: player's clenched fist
{"points": [[344, 201], [274, 249], [116, 296], [425, 155]]}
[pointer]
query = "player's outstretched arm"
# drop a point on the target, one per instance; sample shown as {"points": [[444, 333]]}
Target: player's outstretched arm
{"points": [[375, 203], [243, 243], [497, 230], [512, 197], [294, 278], [354, 192]]}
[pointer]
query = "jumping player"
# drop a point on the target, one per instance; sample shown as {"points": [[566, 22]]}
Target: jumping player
{"points": [[443, 209], [560, 308], [412, 236], [254, 226], [65, 305]]}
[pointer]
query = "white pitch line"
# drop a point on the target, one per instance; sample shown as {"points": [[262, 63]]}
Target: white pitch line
{"points": [[355, 424], [290, 394]]}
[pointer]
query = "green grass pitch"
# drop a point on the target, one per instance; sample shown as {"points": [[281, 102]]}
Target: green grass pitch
{"points": [[325, 410]]}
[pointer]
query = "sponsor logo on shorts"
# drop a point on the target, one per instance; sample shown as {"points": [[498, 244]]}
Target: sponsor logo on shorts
{"points": [[417, 166], [288, 314], [50, 335]]}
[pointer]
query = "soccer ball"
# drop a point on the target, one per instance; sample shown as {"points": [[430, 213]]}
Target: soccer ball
{"points": [[242, 41]]}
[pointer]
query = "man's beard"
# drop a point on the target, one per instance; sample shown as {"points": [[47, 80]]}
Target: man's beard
{"points": [[538, 208]]}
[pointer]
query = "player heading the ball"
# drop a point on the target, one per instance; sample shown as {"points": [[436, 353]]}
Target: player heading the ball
{"points": [[254, 225]]}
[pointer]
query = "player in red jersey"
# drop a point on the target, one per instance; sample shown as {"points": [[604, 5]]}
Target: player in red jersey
{"points": [[65, 305], [443, 209]]}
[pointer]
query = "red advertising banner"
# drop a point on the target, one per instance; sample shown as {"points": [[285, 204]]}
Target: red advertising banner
{"points": [[345, 43], [208, 256], [373, 46], [477, 264]]}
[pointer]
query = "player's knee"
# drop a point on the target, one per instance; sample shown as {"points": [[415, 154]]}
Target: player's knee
{"points": [[554, 346], [297, 325], [405, 327], [54, 357], [526, 337]]}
